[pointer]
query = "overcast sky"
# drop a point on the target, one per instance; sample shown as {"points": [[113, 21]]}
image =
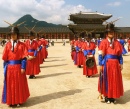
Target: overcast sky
{"points": [[58, 11]]}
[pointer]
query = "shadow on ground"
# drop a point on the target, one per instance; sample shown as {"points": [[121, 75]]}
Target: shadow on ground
{"points": [[125, 98], [55, 57], [52, 75], [95, 76], [44, 98], [53, 65], [56, 60]]}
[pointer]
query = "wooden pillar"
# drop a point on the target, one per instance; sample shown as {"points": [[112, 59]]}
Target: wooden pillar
{"points": [[56, 37], [50, 38], [62, 36]]}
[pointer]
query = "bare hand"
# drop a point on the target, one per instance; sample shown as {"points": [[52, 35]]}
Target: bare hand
{"points": [[121, 66], [30, 57], [100, 69], [22, 71], [90, 56], [80, 50]]}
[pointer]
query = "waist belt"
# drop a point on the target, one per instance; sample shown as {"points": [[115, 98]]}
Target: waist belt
{"points": [[31, 50]]}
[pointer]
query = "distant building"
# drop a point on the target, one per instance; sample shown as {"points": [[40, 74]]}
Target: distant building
{"points": [[82, 21], [48, 32], [93, 22]]}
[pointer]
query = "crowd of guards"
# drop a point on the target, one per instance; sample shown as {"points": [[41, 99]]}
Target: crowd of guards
{"points": [[24, 58], [110, 61], [21, 59], [83, 48]]}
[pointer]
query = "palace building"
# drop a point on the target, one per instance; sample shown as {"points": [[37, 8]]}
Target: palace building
{"points": [[47, 32], [83, 21], [93, 22]]}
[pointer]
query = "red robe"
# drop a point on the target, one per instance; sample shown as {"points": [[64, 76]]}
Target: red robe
{"points": [[32, 65], [73, 52], [79, 53], [89, 71], [44, 49], [114, 76], [39, 54], [129, 45], [17, 86]]}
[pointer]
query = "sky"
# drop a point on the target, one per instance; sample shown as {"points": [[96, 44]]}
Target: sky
{"points": [[58, 11]]}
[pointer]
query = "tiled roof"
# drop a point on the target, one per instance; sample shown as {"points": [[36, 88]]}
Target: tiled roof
{"points": [[123, 29], [90, 15], [4, 30], [87, 26], [39, 29]]}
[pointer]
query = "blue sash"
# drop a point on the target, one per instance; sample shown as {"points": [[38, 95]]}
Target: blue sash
{"points": [[46, 46], [88, 51], [40, 48], [109, 56], [75, 58], [11, 62], [77, 48], [31, 50]]}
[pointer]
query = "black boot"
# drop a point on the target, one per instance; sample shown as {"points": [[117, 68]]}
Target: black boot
{"points": [[107, 100], [112, 100], [31, 77], [79, 66]]}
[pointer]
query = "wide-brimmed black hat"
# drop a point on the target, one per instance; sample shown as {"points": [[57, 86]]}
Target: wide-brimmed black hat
{"points": [[31, 33], [75, 36], [14, 29], [110, 27], [43, 36], [89, 36], [37, 35], [79, 36], [82, 35]]}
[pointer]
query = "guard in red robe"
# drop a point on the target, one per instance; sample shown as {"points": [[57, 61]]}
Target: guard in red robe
{"points": [[111, 63], [89, 52], [128, 45], [44, 47], [78, 58], [15, 91], [33, 67], [123, 42], [73, 51], [39, 52]]}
